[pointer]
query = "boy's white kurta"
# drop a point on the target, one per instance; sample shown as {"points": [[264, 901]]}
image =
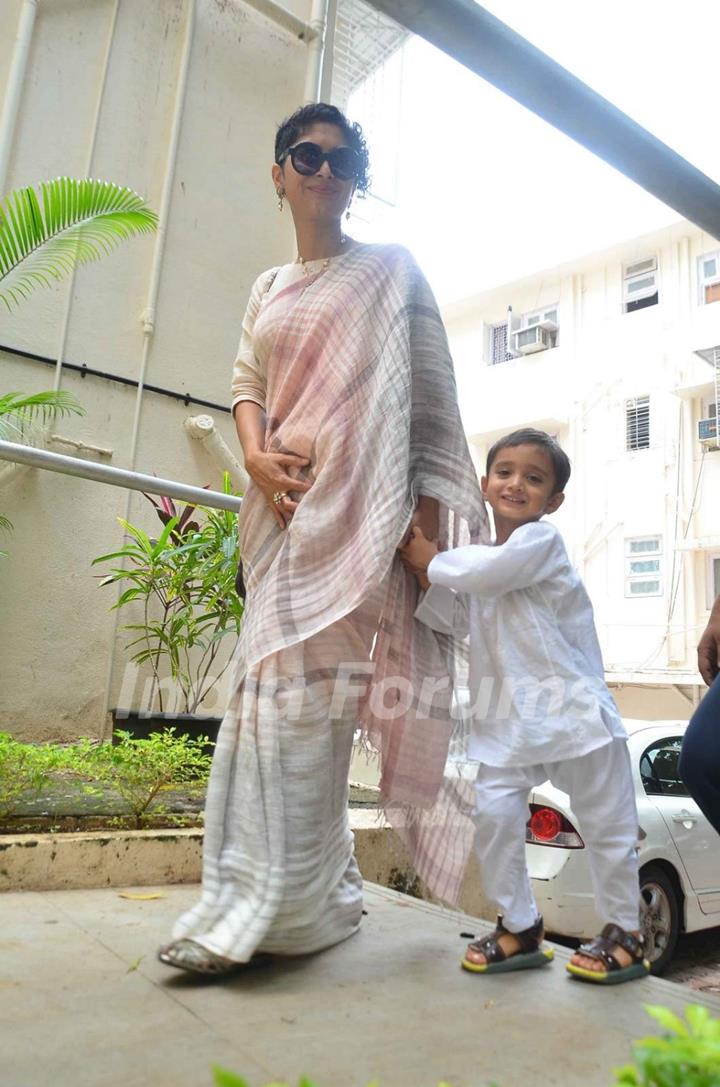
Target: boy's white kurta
{"points": [[540, 710], [537, 683]]}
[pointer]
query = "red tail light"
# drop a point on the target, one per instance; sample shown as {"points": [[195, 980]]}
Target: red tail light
{"points": [[546, 826]]}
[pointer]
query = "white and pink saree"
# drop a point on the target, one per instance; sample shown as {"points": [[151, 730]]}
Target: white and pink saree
{"points": [[356, 376]]}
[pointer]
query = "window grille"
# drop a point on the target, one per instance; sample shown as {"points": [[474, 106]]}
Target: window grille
{"points": [[361, 41], [499, 345], [637, 423]]}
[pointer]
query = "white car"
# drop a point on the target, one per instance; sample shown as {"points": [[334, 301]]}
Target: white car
{"points": [[679, 851]]}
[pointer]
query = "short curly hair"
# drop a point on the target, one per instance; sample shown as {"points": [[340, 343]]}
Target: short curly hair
{"points": [[315, 113]]}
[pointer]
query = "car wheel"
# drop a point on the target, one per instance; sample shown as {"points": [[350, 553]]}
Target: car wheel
{"points": [[660, 916]]}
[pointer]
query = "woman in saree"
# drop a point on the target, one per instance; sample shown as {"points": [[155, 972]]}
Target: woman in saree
{"points": [[345, 407]]}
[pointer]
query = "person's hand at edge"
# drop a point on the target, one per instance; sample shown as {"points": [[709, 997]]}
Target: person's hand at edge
{"points": [[708, 649]]}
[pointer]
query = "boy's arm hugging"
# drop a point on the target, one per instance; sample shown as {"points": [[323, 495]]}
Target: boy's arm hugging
{"points": [[534, 553]]}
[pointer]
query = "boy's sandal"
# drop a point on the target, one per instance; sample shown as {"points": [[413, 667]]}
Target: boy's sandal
{"points": [[498, 961], [601, 949], [195, 959]]}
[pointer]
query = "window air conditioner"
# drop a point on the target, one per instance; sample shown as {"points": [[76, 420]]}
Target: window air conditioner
{"points": [[708, 432], [527, 340]]}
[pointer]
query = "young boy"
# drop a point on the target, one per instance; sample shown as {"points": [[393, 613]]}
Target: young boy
{"points": [[541, 710]]}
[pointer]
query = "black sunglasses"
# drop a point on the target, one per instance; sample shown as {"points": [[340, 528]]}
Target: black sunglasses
{"points": [[307, 158]]}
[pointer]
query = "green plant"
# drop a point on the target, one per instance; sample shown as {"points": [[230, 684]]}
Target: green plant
{"points": [[25, 769], [185, 582], [45, 234], [688, 1055], [138, 769], [19, 413]]}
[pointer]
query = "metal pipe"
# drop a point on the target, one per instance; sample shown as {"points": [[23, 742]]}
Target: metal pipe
{"points": [[149, 313], [316, 45], [89, 371], [280, 15], [202, 428], [62, 339], [16, 79], [116, 477], [148, 316], [485, 45]]}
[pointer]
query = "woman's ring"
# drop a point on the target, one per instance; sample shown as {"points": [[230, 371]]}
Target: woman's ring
{"points": [[278, 497]]}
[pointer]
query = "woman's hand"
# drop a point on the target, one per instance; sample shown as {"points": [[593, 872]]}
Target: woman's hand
{"points": [[269, 473]]}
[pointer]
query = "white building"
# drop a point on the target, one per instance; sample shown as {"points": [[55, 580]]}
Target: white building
{"points": [[604, 352]]}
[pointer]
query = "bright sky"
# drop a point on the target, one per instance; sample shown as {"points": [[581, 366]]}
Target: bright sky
{"points": [[483, 191]]}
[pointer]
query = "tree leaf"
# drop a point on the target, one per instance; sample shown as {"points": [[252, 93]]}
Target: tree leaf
{"points": [[80, 220]]}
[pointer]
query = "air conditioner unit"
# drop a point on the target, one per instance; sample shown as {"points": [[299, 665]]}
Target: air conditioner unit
{"points": [[528, 340], [708, 432]]}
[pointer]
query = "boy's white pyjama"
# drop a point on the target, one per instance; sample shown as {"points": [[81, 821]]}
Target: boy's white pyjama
{"points": [[602, 797]]}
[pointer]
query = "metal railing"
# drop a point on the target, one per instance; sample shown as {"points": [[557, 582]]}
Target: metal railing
{"points": [[115, 477]]}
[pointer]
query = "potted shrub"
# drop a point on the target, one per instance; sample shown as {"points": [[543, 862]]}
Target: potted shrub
{"points": [[184, 582]]}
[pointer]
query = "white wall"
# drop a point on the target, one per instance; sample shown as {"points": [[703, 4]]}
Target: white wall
{"points": [[578, 390], [245, 75]]}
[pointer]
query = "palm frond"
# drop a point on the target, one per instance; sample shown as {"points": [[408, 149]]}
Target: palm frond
{"points": [[17, 412], [44, 235]]}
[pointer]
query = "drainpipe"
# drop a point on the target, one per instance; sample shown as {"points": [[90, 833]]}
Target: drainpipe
{"points": [[313, 72], [149, 314], [690, 603], [202, 428], [62, 340], [16, 79]]}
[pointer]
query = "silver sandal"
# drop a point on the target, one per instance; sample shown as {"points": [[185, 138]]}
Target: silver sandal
{"points": [[188, 955]]}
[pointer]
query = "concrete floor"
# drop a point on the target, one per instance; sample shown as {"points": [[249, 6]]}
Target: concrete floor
{"points": [[84, 1003]]}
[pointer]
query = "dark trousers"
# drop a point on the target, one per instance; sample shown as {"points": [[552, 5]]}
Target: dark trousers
{"points": [[700, 757]]}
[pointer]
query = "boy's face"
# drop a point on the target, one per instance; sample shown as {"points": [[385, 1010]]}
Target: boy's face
{"points": [[521, 485]]}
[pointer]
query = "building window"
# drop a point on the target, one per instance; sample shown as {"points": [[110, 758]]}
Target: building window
{"points": [[526, 334], [637, 423], [643, 574], [640, 285], [498, 344], [712, 580], [709, 277]]}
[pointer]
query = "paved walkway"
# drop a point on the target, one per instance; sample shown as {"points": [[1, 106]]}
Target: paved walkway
{"points": [[84, 1003]]}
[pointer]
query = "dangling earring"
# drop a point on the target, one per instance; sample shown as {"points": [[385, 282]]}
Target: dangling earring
{"points": [[280, 196], [347, 213]]}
